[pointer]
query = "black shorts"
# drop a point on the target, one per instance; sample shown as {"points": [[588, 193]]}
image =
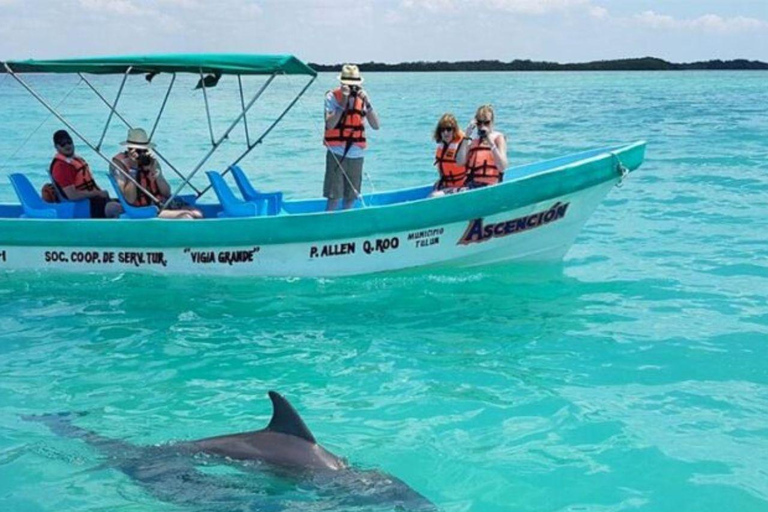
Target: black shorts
{"points": [[98, 205]]}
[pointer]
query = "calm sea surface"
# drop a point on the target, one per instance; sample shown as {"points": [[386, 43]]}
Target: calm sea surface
{"points": [[633, 376]]}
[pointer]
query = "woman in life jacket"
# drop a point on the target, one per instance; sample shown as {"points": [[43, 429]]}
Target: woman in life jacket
{"points": [[449, 137], [486, 155], [138, 162]]}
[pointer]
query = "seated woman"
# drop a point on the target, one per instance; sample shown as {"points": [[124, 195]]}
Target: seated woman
{"points": [[138, 161], [485, 156], [449, 138]]}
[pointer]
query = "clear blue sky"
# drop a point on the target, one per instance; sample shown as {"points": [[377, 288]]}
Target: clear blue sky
{"points": [[327, 31]]}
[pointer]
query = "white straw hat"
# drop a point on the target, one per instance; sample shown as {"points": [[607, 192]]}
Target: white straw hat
{"points": [[350, 75], [138, 139]]}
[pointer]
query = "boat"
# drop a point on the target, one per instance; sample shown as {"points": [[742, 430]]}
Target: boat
{"points": [[533, 216]]}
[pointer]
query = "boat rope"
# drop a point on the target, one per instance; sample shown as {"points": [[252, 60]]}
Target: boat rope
{"points": [[621, 168], [344, 173], [162, 107], [207, 108], [113, 107], [47, 118], [242, 106]]}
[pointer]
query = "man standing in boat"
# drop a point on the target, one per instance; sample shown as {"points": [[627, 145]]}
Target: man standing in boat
{"points": [[346, 110], [73, 180]]}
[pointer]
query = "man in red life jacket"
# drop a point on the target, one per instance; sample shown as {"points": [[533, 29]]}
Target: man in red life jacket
{"points": [[347, 108], [72, 177]]}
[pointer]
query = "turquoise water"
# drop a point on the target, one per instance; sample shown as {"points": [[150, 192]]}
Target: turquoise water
{"points": [[631, 377]]}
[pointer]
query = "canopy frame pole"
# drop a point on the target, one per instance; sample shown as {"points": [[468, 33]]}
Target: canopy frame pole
{"points": [[66, 123], [242, 104], [207, 109], [114, 105], [218, 143], [162, 107], [126, 123], [263, 135]]}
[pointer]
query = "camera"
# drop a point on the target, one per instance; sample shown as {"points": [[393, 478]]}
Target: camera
{"points": [[144, 159], [354, 89], [482, 132]]}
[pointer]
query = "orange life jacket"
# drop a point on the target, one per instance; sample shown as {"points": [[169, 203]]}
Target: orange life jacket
{"points": [[481, 167], [350, 130], [144, 179], [452, 175], [83, 177]]}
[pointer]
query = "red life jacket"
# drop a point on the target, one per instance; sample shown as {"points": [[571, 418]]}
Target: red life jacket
{"points": [[83, 177], [350, 130], [452, 175], [481, 167], [144, 179]]}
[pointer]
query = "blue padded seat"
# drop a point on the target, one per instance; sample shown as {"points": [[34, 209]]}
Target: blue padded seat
{"points": [[33, 205], [231, 205], [82, 206], [130, 211], [269, 203]]}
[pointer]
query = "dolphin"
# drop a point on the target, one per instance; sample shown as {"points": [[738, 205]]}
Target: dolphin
{"points": [[280, 467]]}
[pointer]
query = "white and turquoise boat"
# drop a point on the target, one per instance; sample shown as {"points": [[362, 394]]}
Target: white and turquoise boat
{"points": [[534, 216]]}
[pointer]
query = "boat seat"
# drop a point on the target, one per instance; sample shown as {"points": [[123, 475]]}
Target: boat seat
{"points": [[130, 211], [231, 205], [33, 205], [269, 203], [82, 206]]}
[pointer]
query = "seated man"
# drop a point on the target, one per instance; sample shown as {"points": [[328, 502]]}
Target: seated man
{"points": [[72, 176], [138, 162]]}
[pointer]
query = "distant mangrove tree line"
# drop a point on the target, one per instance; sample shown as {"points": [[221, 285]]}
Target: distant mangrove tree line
{"points": [[641, 64]]}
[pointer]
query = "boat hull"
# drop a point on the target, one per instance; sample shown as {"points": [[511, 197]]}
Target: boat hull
{"points": [[534, 218]]}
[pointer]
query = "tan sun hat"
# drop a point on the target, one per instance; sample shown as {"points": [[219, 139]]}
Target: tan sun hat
{"points": [[350, 75], [138, 139]]}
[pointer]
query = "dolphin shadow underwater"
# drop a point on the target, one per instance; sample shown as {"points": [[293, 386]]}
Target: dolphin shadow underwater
{"points": [[278, 468]]}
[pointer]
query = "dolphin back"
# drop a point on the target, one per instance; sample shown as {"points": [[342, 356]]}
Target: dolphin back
{"points": [[285, 419]]}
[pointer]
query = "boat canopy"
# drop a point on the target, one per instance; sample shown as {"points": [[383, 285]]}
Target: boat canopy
{"points": [[224, 64], [213, 65]]}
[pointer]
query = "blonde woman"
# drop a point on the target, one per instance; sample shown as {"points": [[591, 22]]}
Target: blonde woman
{"points": [[486, 155]]}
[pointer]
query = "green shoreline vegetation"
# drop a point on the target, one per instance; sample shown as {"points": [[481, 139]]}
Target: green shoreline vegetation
{"points": [[639, 64]]}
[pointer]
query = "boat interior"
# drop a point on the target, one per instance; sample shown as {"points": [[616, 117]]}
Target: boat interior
{"points": [[244, 200]]}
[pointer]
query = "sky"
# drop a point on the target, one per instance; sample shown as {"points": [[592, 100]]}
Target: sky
{"points": [[327, 32]]}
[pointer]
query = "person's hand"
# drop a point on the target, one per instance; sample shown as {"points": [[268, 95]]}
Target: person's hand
{"points": [[470, 129], [104, 194], [345, 90], [363, 95]]}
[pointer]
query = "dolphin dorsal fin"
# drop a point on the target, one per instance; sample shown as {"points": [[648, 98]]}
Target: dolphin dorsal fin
{"points": [[286, 420]]}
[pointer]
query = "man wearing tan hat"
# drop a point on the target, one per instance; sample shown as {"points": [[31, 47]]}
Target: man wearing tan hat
{"points": [[138, 162], [347, 108]]}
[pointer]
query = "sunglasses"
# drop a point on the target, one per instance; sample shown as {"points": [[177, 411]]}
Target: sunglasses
{"points": [[483, 122], [446, 128], [66, 142]]}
